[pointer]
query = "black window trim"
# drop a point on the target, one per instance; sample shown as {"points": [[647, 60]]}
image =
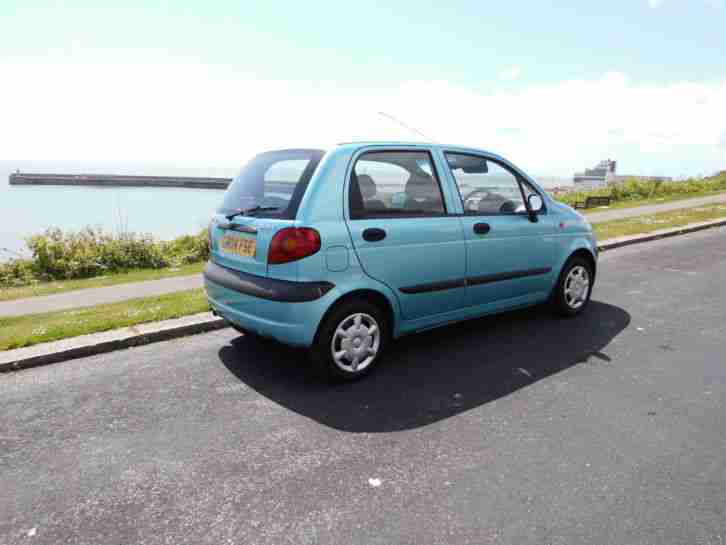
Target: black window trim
{"points": [[373, 215], [517, 176]]}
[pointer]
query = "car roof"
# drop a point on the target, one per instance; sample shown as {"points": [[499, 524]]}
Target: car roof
{"points": [[427, 145]]}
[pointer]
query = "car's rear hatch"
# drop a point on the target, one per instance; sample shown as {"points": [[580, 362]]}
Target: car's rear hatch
{"points": [[260, 201]]}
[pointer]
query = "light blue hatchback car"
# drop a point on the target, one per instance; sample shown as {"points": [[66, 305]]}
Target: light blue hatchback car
{"points": [[341, 251]]}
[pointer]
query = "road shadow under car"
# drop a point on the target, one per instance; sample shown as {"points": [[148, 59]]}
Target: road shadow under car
{"points": [[432, 375]]}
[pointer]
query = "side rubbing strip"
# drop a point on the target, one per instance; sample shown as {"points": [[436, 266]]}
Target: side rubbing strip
{"points": [[488, 278], [472, 281], [435, 286]]}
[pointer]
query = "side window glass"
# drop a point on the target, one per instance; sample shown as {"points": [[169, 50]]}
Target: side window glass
{"points": [[485, 187], [395, 183]]}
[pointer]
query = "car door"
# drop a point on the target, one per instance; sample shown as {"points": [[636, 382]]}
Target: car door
{"points": [[402, 233], [509, 252]]}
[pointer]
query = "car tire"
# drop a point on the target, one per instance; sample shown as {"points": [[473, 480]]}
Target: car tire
{"points": [[574, 287], [350, 341]]}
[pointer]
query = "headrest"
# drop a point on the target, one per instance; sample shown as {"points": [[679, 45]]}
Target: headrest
{"points": [[367, 186], [419, 187]]}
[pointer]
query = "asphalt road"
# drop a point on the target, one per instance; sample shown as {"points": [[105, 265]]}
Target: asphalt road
{"points": [[523, 428]]}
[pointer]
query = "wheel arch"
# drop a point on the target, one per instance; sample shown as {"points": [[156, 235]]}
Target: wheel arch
{"points": [[578, 246], [586, 254], [374, 297]]}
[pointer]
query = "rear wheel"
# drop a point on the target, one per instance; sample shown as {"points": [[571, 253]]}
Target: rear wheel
{"points": [[350, 341], [574, 287]]}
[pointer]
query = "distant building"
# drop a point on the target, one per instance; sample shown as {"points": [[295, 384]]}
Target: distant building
{"points": [[597, 176]]}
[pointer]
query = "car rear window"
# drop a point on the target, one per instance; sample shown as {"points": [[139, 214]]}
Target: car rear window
{"points": [[272, 184]]}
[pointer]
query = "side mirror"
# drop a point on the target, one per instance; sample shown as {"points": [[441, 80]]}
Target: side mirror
{"points": [[535, 203], [535, 206]]}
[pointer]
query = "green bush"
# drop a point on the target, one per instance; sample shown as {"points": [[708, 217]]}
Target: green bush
{"points": [[16, 272], [59, 255], [187, 249], [91, 252], [643, 189]]}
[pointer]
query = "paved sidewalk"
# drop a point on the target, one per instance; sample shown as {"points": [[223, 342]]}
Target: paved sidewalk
{"points": [[112, 294], [98, 296], [622, 213]]}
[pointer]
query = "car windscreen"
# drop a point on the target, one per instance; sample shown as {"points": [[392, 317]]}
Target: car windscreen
{"points": [[272, 184]]}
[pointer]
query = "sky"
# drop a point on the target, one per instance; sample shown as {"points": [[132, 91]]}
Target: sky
{"points": [[553, 86]]}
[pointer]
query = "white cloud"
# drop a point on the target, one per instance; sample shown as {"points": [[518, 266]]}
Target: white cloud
{"points": [[511, 73], [195, 115], [712, 3]]}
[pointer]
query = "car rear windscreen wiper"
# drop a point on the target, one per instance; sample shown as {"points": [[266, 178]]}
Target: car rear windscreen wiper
{"points": [[250, 211]]}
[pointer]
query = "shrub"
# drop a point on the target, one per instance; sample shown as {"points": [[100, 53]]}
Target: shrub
{"points": [[16, 272], [63, 255], [187, 249], [91, 252]]}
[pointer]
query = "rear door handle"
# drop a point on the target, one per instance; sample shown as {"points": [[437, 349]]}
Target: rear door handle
{"points": [[481, 228], [374, 234]]}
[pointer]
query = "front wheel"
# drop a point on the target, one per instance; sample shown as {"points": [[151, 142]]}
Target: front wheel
{"points": [[350, 341], [574, 287]]}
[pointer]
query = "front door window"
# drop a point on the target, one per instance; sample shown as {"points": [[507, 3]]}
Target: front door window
{"points": [[492, 189]]}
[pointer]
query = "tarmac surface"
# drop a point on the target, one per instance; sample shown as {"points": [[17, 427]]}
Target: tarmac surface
{"points": [[520, 428]]}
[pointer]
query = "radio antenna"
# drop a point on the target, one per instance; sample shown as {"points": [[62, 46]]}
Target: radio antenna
{"points": [[405, 126]]}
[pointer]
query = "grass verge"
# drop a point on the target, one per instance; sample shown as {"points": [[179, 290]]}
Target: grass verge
{"points": [[653, 222], [19, 331], [60, 286]]}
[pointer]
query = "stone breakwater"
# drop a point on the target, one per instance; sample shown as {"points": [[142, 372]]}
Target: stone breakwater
{"points": [[113, 180]]}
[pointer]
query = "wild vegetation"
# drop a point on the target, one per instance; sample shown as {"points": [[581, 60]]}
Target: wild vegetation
{"points": [[64, 255], [637, 190]]}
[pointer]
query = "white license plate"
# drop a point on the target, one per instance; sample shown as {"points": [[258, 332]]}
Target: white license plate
{"points": [[235, 244]]}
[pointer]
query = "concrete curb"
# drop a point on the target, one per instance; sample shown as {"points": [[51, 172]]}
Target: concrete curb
{"points": [[661, 233], [107, 341], [98, 343]]}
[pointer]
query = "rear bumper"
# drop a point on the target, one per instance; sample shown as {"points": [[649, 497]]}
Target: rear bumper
{"points": [[271, 289], [283, 310]]}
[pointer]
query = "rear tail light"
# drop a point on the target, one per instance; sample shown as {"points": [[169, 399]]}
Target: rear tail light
{"points": [[293, 243]]}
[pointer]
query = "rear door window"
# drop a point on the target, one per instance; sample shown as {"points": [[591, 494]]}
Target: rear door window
{"points": [[395, 184]]}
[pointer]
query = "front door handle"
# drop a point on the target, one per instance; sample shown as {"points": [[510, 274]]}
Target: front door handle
{"points": [[374, 234], [481, 228]]}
